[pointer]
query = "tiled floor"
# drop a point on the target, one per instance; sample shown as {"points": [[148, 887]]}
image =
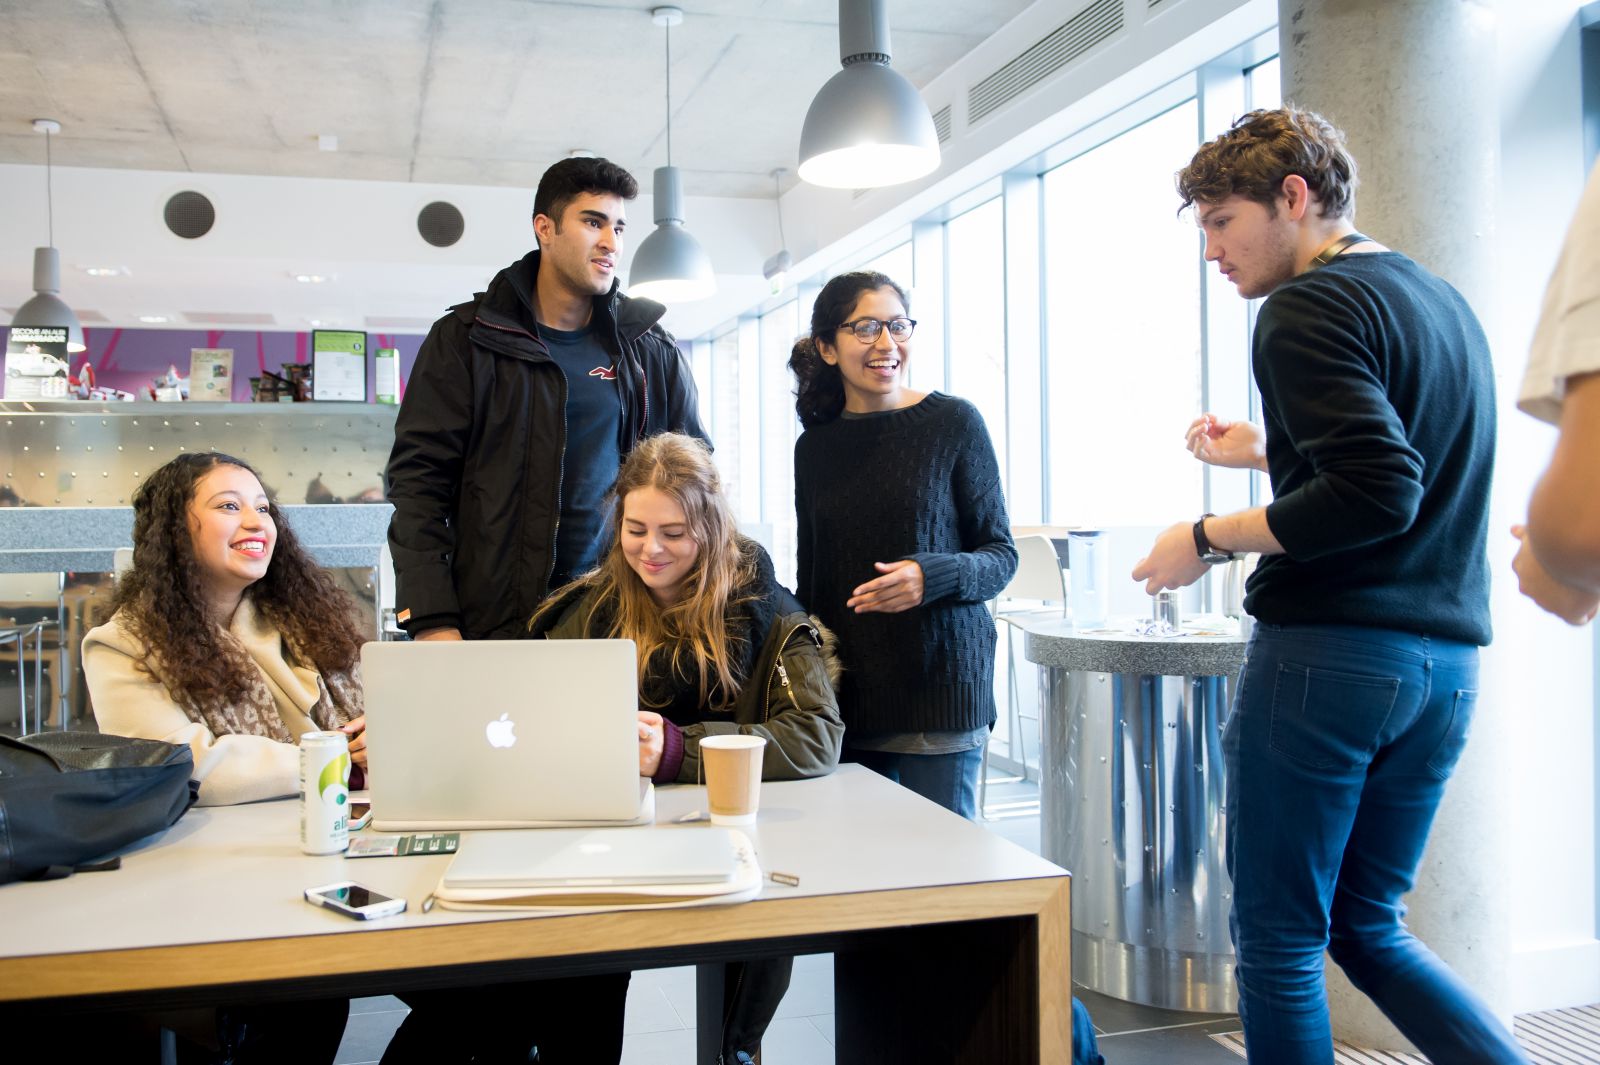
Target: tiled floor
{"points": [[660, 1022]]}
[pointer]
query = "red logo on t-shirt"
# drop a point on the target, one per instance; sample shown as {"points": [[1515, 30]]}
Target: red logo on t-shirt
{"points": [[605, 373]]}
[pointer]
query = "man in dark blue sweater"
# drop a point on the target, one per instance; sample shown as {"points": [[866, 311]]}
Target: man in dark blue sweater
{"points": [[1371, 601]]}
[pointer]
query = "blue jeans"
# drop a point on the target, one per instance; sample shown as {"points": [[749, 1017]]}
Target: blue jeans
{"points": [[1338, 749], [951, 780], [1085, 1048]]}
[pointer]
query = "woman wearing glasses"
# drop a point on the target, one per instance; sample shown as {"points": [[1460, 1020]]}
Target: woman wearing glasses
{"points": [[903, 540]]}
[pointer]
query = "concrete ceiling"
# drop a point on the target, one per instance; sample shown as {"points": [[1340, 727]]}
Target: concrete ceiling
{"points": [[475, 92]]}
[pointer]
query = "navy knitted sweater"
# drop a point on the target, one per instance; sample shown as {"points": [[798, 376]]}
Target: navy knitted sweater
{"points": [[1378, 392], [919, 483]]}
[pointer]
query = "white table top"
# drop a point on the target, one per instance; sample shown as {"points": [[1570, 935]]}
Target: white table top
{"points": [[227, 874]]}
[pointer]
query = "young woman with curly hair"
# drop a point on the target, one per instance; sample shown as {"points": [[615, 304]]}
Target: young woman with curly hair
{"points": [[226, 635]]}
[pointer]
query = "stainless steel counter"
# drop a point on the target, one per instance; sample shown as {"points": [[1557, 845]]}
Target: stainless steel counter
{"points": [[1131, 796], [64, 454]]}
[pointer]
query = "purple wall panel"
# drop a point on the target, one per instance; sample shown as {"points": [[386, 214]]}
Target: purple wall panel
{"points": [[130, 358]]}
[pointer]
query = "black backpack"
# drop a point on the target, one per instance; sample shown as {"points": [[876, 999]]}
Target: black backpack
{"points": [[67, 798]]}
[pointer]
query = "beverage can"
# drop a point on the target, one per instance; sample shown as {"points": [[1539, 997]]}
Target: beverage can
{"points": [[324, 792], [386, 366]]}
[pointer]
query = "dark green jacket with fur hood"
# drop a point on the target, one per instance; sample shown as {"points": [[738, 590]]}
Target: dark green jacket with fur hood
{"points": [[794, 708]]}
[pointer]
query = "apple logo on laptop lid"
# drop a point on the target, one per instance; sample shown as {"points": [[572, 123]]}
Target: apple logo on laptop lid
{"points": [[501, 733]]}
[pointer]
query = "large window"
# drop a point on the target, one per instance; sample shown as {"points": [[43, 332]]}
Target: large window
{"points": [[1122, 298], [975, 298], [895, 263], [1264, 83], [779, 427], [725, 420]]}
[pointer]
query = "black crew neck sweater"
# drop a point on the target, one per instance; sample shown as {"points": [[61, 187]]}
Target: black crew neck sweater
{"points": [[918, 483], [1378, 394]]}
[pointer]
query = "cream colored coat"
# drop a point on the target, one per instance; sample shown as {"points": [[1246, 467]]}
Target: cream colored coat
{"points": [[230, 768]]}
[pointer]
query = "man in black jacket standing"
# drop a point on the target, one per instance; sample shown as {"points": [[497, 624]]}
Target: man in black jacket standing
{"points": [[1371, 601], [520, 407]]}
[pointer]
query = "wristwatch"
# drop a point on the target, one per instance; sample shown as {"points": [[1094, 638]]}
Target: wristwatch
{"points": [[1208, 554]]}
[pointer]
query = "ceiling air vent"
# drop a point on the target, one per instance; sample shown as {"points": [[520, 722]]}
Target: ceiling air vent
{"points": [[190, 215], [228, 318], [400, 324], [941, 123], [1071, 39], [441, 224]]}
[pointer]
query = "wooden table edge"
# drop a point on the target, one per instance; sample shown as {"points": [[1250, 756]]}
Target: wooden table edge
{"points": [[95, 972]]}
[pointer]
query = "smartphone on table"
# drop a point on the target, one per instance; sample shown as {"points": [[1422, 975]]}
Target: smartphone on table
{"points": [[354, 900]]}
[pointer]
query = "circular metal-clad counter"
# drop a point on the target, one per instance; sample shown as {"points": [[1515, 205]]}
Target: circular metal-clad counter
{"points": [[1131, 797]]}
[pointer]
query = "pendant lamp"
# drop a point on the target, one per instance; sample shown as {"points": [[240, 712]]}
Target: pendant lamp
{"points": [[776, 269], [47, 310], [868, 126], [670, 266]]}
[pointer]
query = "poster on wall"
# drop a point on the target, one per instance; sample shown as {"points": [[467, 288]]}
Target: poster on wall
{"points": [[338, 365], [211, 374], [36, 362]]}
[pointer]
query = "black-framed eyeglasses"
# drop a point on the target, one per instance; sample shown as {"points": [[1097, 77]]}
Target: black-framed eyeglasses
{"points": [[867, 329]]}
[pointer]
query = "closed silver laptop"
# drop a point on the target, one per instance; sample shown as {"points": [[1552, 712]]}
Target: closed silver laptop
{"points": [[502, 734], [571, 858]]}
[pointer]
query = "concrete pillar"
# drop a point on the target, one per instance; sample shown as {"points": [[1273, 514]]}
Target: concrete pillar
{"points": [[1412, 84]]}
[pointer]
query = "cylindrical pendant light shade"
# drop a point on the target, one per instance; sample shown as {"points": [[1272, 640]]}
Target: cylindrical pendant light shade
{"points": [[47, 310], [868, 126], [670, 266]]}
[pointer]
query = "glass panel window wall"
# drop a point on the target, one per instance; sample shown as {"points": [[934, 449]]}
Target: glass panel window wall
{"points": [[1122, 297], [725, 422], [1264, 83], [779, 428], [975, 302], [896, 263]]}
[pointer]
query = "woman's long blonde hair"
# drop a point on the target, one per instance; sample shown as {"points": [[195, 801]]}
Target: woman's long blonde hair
{"points": [[693, 632]]}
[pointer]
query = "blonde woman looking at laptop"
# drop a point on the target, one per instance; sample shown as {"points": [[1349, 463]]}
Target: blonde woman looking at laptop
{"points": [[723, 648]]}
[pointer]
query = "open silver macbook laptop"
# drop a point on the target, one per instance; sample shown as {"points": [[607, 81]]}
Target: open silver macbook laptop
{"points": [[503, 734], [593, 858]]}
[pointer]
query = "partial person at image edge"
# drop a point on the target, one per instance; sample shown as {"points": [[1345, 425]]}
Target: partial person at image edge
{"points": [[1558, 559]]}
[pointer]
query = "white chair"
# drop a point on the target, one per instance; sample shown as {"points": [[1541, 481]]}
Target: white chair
{"points": [[1039, 579]]}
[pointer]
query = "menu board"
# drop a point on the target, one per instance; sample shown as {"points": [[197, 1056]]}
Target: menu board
{"points": [[211, 374], [339, 365], [36, 362]]}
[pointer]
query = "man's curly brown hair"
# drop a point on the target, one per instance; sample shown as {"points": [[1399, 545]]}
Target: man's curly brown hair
{"points": [[1263, 148], [163, 601]]}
